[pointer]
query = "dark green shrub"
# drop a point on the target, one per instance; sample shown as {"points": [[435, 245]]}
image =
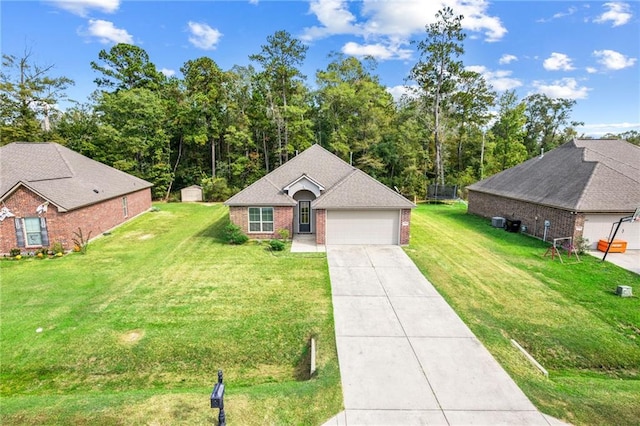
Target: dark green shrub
{"points": [[14, 252], [276, 245], [215, 189], [234, 235]]}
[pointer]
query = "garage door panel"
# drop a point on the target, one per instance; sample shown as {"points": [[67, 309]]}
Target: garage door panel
{"points": [[362, 226], [598, 227]]}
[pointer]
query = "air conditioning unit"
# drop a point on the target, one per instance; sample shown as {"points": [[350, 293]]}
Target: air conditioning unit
{"points": [[497, 222]]}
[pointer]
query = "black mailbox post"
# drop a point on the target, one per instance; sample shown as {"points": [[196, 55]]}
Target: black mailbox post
{"points": [[217, 399]]}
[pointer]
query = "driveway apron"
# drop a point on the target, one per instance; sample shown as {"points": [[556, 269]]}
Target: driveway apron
{"points": [[405, 356]]}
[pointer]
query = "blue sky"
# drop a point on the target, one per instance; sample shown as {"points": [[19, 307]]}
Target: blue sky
{"points": [[584, 50]]}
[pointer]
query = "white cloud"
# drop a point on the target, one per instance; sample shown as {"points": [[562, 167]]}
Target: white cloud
{"points": [[168, 72], [203, 36], [591, 70], [557, 62], [613, 60], [385, 26], [559, 15], [618, 14], [567, 88], [398, 91], [82, 7], [106, 32], [334, 17], [500, 80], [409, 17], [376, 50], [507, 59], [600, 129]]}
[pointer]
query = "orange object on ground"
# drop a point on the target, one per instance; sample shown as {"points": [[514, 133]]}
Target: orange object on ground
{"points": [[617, 246]]}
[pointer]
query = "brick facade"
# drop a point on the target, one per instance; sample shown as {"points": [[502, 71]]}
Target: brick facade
{"points": [[321, 226], [563, 223], [405, 226], [282, 219], [96, 218]]}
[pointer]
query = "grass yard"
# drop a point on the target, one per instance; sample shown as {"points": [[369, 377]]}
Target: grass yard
{"points": [[135, 331], [566, 315]]}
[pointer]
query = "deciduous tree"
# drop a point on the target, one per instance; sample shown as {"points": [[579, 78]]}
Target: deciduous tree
{"points": [[29, 98], [437, 72]]}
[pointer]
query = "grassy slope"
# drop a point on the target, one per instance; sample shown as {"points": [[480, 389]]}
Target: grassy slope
{"points": [[566, 315], [135, 331]]}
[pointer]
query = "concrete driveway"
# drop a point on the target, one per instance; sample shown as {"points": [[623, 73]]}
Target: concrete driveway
{"points": [[405, 356], [629, 260]]}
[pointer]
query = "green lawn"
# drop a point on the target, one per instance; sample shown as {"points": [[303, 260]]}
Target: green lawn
{"points": [[566, 315], [135, 331]]}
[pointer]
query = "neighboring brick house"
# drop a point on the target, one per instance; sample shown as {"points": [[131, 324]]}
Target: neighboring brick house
{"points": [[48, 192], [579, 189], [318, 193]]}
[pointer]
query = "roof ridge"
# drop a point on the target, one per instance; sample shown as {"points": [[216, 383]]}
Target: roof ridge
{"points": [[614, 160], [64, 160], [397, 194]]}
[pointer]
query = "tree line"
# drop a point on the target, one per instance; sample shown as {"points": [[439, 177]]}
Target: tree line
{"points": [[225, 129]]}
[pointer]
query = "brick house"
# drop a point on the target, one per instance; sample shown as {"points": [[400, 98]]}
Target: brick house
{"points": [[579, 189], [48, 191], [318, 193]]}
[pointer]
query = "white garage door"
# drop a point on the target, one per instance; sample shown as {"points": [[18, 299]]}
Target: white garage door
{"points": [[598, 226], [362, 226]]}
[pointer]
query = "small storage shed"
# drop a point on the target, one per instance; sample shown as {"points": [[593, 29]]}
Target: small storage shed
{"points": [[191, 193]]}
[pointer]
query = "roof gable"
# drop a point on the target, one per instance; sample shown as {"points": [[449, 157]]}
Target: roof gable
{"points": [[304, 182], [581, 175], [62, 176], [346, 186]]}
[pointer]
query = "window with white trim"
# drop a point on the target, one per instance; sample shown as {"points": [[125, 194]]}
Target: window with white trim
{"points": [[125, 207], [31, 232], [260, 219]]}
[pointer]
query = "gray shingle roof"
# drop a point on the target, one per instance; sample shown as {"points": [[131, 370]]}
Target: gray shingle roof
{"points": [[62, 176], [360, 191], [346, 186], [582, 175]]}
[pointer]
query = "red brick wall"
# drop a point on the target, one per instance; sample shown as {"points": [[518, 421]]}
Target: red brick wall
{"points": [[282, 219], [563, 223], [95, 218], [321, 226], [405, 234]]}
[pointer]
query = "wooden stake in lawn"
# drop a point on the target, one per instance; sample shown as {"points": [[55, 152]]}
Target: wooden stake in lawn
{"points": [[633, 218]]}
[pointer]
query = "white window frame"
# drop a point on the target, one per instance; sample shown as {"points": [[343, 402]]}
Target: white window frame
{"points": [[262, 222], [125, 207], [42, 228]]}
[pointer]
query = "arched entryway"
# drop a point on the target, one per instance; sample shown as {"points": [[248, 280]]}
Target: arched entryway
{"points": [[303, 217]]}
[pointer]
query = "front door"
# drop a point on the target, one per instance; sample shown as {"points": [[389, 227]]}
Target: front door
{"points": [[304, 216]]}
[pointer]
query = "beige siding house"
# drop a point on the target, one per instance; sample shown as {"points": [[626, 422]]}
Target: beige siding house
{"points": [[579, 189], [318, 193]]}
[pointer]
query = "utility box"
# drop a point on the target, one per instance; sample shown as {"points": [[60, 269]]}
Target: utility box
{"points": [[617, 246], [497, 222], [624, 291], [512, 225]]}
